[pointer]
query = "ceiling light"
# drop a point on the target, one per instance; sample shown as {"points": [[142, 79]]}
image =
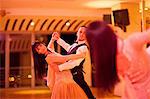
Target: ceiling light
{"points": [[32, 23], [67, 23], [29, 76], [145, 8], [11, 79]]}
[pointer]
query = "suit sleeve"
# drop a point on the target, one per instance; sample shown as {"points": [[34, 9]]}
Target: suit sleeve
{"points": [[72, 63], [62, 43]]}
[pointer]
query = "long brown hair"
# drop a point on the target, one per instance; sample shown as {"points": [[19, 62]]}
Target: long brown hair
{"points": [[103, 48], [39, 60]]}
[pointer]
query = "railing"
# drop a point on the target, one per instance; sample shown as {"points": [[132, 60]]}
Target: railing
{"points": [[19, 76]]}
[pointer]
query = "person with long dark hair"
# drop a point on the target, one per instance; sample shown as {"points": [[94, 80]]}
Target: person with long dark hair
{"points": [[61, 83], [104, 47]]}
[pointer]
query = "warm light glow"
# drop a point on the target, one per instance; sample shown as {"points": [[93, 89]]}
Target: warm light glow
{"points": [[102, 4], [145, 8], [11, 79], [68, 24], [29, 76], [25, 92], [32, 23]]}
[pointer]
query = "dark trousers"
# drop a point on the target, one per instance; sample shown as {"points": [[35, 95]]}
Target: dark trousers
{"points": [[79, 79]]}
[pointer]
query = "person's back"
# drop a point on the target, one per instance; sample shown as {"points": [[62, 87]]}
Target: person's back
{"points": [[122, 60], [138, 73], [87, 68]]}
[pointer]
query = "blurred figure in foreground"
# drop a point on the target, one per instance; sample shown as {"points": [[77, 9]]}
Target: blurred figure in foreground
{"points": [[105, 50], [103, 47]]}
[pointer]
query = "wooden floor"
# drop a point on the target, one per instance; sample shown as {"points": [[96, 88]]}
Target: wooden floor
{"points": [[36, 93]]}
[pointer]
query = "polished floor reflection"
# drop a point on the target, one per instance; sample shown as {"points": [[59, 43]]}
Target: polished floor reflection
{"points": [[36, 93]]}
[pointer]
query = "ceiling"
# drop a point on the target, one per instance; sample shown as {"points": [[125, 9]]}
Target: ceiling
{"points": [[74, 4], [33, 7], [17, 15], [43, 24]]}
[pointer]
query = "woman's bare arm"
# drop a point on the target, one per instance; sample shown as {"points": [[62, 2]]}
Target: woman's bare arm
{"points": [[50, 77], [54, 58]]}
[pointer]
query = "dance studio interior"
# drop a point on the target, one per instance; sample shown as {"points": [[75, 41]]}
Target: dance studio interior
{"points": [[23, 22]]}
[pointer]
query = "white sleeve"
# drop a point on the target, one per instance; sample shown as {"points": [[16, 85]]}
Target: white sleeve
{"points": [[62, 43], [72, 63]]}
